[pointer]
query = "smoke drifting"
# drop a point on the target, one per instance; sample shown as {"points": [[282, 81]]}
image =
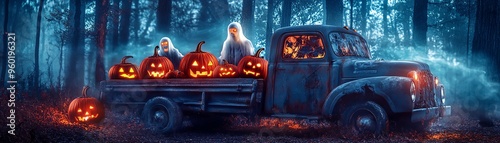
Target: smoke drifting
{"points": [[468, 88]]}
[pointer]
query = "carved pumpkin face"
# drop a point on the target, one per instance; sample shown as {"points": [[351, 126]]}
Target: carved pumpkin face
{"points": [[253, 66], [198, 64], [123, 70], [155, 66], [226, 70], [85, 109]]}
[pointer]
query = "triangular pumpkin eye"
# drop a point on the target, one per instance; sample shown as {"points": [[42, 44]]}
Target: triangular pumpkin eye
{"points": [[121, 70], [153, 65], [249, 63], [258, 65], [79, 110], [195, 63], [159, 65], [131, 70], [91, 107], [210, 63], [231, 69]]}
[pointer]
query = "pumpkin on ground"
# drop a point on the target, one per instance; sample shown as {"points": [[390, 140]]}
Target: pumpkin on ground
{"points": [[198, 64], [85, 109], [155, 66], [123, 70], [253, 66], [226, 70]]}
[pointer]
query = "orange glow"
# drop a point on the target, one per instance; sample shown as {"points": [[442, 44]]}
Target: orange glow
{"points": [[437, 81], [413, 74]]}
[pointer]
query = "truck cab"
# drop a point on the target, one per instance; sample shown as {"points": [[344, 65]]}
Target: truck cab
{"points": [[314, 72]]}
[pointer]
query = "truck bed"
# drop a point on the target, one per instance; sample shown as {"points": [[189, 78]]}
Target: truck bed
{"points": [[218, 95]]}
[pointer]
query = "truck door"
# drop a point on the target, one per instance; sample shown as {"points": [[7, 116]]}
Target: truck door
{"points": [[302, 74]]}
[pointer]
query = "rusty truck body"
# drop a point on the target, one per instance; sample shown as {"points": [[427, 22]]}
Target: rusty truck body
{"points": [[315, 72]]}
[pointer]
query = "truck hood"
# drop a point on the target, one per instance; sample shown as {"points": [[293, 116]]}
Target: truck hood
{"points": [[369, 68]]}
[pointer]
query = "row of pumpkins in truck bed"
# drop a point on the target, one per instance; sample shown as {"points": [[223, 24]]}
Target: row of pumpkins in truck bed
{"points": [[196, 64]]}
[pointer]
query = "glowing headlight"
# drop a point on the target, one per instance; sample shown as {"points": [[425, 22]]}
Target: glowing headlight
{"points": [[442, 95], [413, 92], [413, 75]]}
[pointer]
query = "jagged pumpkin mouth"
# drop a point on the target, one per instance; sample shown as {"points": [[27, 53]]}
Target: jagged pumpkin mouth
{"points": [[249, 72], [156, 73], [200, 73]]}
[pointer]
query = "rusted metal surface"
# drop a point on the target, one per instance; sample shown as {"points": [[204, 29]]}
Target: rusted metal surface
{"points": [[201, 95]]}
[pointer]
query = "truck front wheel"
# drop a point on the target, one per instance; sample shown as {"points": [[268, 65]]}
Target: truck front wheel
{"points": [[162, 114], [366, 118]]}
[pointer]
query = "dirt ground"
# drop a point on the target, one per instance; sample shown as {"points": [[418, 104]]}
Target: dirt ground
{"points": [[41, 122]]}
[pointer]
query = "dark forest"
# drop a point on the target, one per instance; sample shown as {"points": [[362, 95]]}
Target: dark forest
{"points": [[63, 45]]}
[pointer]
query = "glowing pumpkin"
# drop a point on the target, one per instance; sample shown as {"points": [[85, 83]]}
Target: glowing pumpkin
{"points": [[253, 66], [85, 109], [123, 70], [226, 70], [155, 66], [198, 64]]}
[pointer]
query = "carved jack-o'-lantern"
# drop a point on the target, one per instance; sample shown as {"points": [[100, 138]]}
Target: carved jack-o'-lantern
{"points": [[253, 66], [123, 70], [198, 64], [85, 109], [155, 66], [226, 70]]}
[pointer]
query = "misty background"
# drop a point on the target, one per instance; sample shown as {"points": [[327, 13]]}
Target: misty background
{"points": [[63, 45]]}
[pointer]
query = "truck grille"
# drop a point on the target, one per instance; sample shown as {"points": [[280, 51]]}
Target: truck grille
{"points": [[426, 90]]}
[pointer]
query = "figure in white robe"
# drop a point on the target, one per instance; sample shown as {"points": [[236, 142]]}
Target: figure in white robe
{"points": [[168, 50], [236, 45]]}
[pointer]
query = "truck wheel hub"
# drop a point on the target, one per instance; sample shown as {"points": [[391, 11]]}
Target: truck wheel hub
{"points": [[365, 121]]}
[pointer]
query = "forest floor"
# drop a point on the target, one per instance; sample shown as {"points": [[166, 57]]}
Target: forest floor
{"points": [[41, 121]]}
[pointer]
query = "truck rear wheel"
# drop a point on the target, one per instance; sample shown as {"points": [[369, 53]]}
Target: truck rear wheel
{"points": [[162, 114], [366, 118]]}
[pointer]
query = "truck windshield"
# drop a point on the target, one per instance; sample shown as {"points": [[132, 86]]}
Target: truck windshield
{"points": [[348, 45], [306, 46]]}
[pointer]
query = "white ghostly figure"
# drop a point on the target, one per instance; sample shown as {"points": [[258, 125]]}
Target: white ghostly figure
{"points": [[168, 50], [236, 45]]}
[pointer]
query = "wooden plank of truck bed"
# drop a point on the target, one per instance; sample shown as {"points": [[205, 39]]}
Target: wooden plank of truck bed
{"points": [[227, 95]]}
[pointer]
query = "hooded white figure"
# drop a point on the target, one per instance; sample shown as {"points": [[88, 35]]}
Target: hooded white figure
{"points": [[236, 45], [168, 50]]}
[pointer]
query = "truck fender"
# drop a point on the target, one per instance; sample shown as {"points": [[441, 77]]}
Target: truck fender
{"points": [[395, 90]]}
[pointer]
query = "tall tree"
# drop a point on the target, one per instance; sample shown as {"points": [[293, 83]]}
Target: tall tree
{"points": [[485, 50], [269, 26], [4, 38], [247, 18], [286, 13], [126, 13], [37, 50], [334, 12], [163, 16], [101, 15], [420, 22], [73, 74], [364, 12], [115, 20]]}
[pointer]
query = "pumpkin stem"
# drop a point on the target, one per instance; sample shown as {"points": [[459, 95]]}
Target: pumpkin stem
{"points": [[156, 51], [198, 48], [124, 59], [84, 91], [257, 54], [225, 62]]}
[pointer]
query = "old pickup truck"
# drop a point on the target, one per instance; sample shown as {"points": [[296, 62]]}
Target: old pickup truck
{"points": [[316, 72]]}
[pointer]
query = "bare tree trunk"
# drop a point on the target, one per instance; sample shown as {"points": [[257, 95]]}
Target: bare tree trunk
{"points": [[126, 12], [163, 16], [115, 15], [351, 13], [137, 24], [4, 38], [334, 12], [420, 22], [385, 11], [37, 50], [286, 13], [247, 18], [270, 23], [364, 10], [73, 77], [100, 22]]}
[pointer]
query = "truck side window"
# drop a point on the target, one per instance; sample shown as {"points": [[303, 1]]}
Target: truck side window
{"points": [[348, 45], [303, 47]]}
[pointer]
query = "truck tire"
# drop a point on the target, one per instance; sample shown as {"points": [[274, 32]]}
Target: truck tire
{"points": [[366, 118], [162, 114]]}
